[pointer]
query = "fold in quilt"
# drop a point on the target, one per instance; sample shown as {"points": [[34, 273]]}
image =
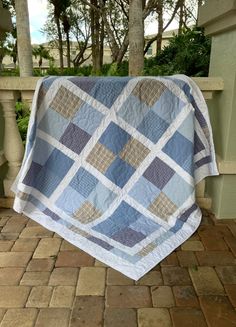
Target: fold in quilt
{"points": [[111, 165]]}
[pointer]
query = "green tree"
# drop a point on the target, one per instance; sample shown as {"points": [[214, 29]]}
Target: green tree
{"points": [[41, 53]]}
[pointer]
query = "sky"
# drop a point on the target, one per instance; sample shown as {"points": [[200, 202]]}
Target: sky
{"points": [[38, 15]]}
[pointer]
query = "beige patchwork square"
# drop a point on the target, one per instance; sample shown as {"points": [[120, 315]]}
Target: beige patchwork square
{"points": [[66, 103], [162, 207], [79, 231], [149, 90], [23, 196], [134, 152], [100, 157], [87, 213], [147, 249]]}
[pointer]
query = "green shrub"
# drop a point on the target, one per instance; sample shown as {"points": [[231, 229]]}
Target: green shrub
{"points": [[22, 118], [187, 53]]}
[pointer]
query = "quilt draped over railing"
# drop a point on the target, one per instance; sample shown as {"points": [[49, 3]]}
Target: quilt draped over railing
{"points": [[111, 165]]}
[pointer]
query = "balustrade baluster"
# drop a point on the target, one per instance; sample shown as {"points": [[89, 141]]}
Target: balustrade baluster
{"points": [[12, 145]]}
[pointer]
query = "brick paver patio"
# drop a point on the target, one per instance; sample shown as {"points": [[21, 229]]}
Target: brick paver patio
{"points": [[45, 281]]}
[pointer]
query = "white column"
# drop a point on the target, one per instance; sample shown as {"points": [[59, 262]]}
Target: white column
{"points": [[13, 146]]}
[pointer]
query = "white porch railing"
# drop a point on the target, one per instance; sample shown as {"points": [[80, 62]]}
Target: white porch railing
{"points": [[12, 87]]}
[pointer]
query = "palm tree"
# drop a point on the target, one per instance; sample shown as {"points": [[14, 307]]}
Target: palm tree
{"points": [[41, 53], [66, 26], [136, 37], [23, 38], [60, 7]]}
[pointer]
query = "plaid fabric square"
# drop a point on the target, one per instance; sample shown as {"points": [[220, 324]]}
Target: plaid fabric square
{"points": [[162, 207], [100, 157], [134, 152], [147, 249], [66, 103], [149, 91], [87, 213]]}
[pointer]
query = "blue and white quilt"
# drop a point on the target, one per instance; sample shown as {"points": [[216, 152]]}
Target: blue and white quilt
{"points": [[111, 165]]}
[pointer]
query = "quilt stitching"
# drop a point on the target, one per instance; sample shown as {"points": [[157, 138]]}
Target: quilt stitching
{"points": [[125, 227]]}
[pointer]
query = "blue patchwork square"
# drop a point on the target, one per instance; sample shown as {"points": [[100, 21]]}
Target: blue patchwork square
{"points": [[108, 227], [133, 111], [119, 172], [188, 165], [88, 118], [83, 182], [152, 126], [58, 163], [114, 138], [75, 138], [42, 151], [158, 173], [53, 124], [178, 148], [106, 90], [178, 190], [177, 226], [145, 226], [187, 127], [101, 197], [121, 218], [46, 181], [198, 145], [84, 83], [128, 237], [36, 202], [168, 106], [32, 173], [47, 82], [51, 214], [70, 200], [100, 242], [144, 192]]}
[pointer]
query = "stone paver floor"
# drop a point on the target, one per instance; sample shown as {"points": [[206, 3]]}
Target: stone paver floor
{"points": [[45, 281]]}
